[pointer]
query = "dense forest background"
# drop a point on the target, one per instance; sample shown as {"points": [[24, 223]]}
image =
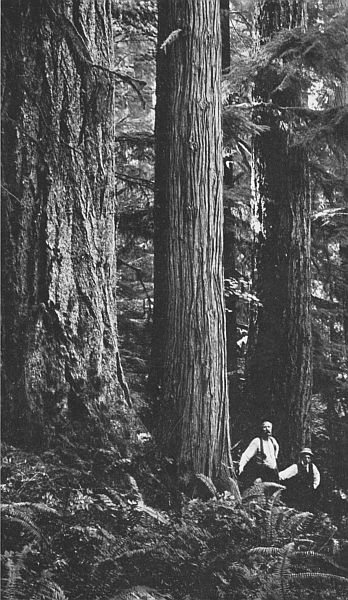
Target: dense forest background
{"points": [[174, 270]]}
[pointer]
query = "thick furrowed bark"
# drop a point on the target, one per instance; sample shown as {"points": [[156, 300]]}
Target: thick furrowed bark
{"points": [[189, 356], [279, 358], [59, 263]]}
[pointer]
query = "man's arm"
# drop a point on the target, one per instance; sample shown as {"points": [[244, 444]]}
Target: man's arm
{"points": [[248, 454], [288, 473], [316, 477]]}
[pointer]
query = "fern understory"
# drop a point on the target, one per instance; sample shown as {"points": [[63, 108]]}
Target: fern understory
{"points": [[102, 523]]}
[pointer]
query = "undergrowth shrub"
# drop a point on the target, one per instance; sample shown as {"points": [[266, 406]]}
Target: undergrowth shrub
{"points": [[88, 522]]}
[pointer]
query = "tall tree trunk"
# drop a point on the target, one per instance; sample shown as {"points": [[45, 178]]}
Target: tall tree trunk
{"points": [[58, 221], [338, 408], [189, 346], [279, 358]]}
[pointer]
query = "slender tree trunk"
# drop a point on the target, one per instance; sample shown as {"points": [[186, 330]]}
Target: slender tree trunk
{"points": [[58, 221], [279, 357], [189, 346]]}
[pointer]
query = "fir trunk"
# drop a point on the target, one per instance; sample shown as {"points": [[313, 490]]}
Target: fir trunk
{"points": [[189, 346], [58, 222], [279, 358]]}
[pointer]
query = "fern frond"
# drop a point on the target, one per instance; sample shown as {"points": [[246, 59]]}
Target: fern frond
{"points": [[39, 507], [255, 493], [25, 521], [202, 487], [151, 512], [273, 516], [48, 590], [11, 584], [299, 523], [283, 570], [106, 574], [266, 551], [326, 577], [283, 515], [322, 557], [170, 39], [323, 542], [141, 593]]}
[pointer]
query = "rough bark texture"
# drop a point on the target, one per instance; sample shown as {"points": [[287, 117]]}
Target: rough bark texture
{"points": [[189, 355], [58, 221], [339, 409], [279, 359]]}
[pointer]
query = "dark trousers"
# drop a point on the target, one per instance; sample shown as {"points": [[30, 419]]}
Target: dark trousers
{"points": [[254, 471], [268, 474], [301, 497]]}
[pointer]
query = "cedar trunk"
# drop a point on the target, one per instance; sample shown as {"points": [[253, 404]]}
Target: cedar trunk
{"points": [[279, 357], [58, 214], [189, 346]]}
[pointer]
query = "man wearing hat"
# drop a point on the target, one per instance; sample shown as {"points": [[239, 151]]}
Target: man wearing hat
{"points": [[302, 479]]}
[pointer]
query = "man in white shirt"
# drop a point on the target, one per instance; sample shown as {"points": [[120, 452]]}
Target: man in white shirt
{"points": [[259, 460], [302, 480]]}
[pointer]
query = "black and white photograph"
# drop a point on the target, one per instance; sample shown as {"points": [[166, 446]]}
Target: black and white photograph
{"points": [[174, 299]]}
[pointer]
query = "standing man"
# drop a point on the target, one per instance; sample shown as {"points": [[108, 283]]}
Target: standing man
{"points": [[302, 479], [259, 460]]}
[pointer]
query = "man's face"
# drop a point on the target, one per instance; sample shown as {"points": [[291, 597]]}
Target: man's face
{"points": [[266, 428], [305, 459]]}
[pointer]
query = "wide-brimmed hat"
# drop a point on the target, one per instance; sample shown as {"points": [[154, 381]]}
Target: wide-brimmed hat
{"points": [[307, 451]]}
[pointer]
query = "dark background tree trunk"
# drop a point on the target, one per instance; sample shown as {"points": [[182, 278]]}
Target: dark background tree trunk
{"points": [[225, 34], [338, 408], [59, 220], [279, 356], [189, 346], [229, 255]]}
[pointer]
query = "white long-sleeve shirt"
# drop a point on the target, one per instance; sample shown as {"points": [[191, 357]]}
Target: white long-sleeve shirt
{"points": [[270, 448], [293, 470]]}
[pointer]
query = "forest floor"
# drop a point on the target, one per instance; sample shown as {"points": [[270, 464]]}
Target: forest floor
{"points": [[105, 522]]}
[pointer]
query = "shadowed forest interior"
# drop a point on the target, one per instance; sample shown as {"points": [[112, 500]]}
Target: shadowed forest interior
{"points": [[174, 299]]}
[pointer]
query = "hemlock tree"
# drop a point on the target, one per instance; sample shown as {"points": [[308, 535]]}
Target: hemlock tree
{"points": [[188, 374], [58, 220], [279, 358]]}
